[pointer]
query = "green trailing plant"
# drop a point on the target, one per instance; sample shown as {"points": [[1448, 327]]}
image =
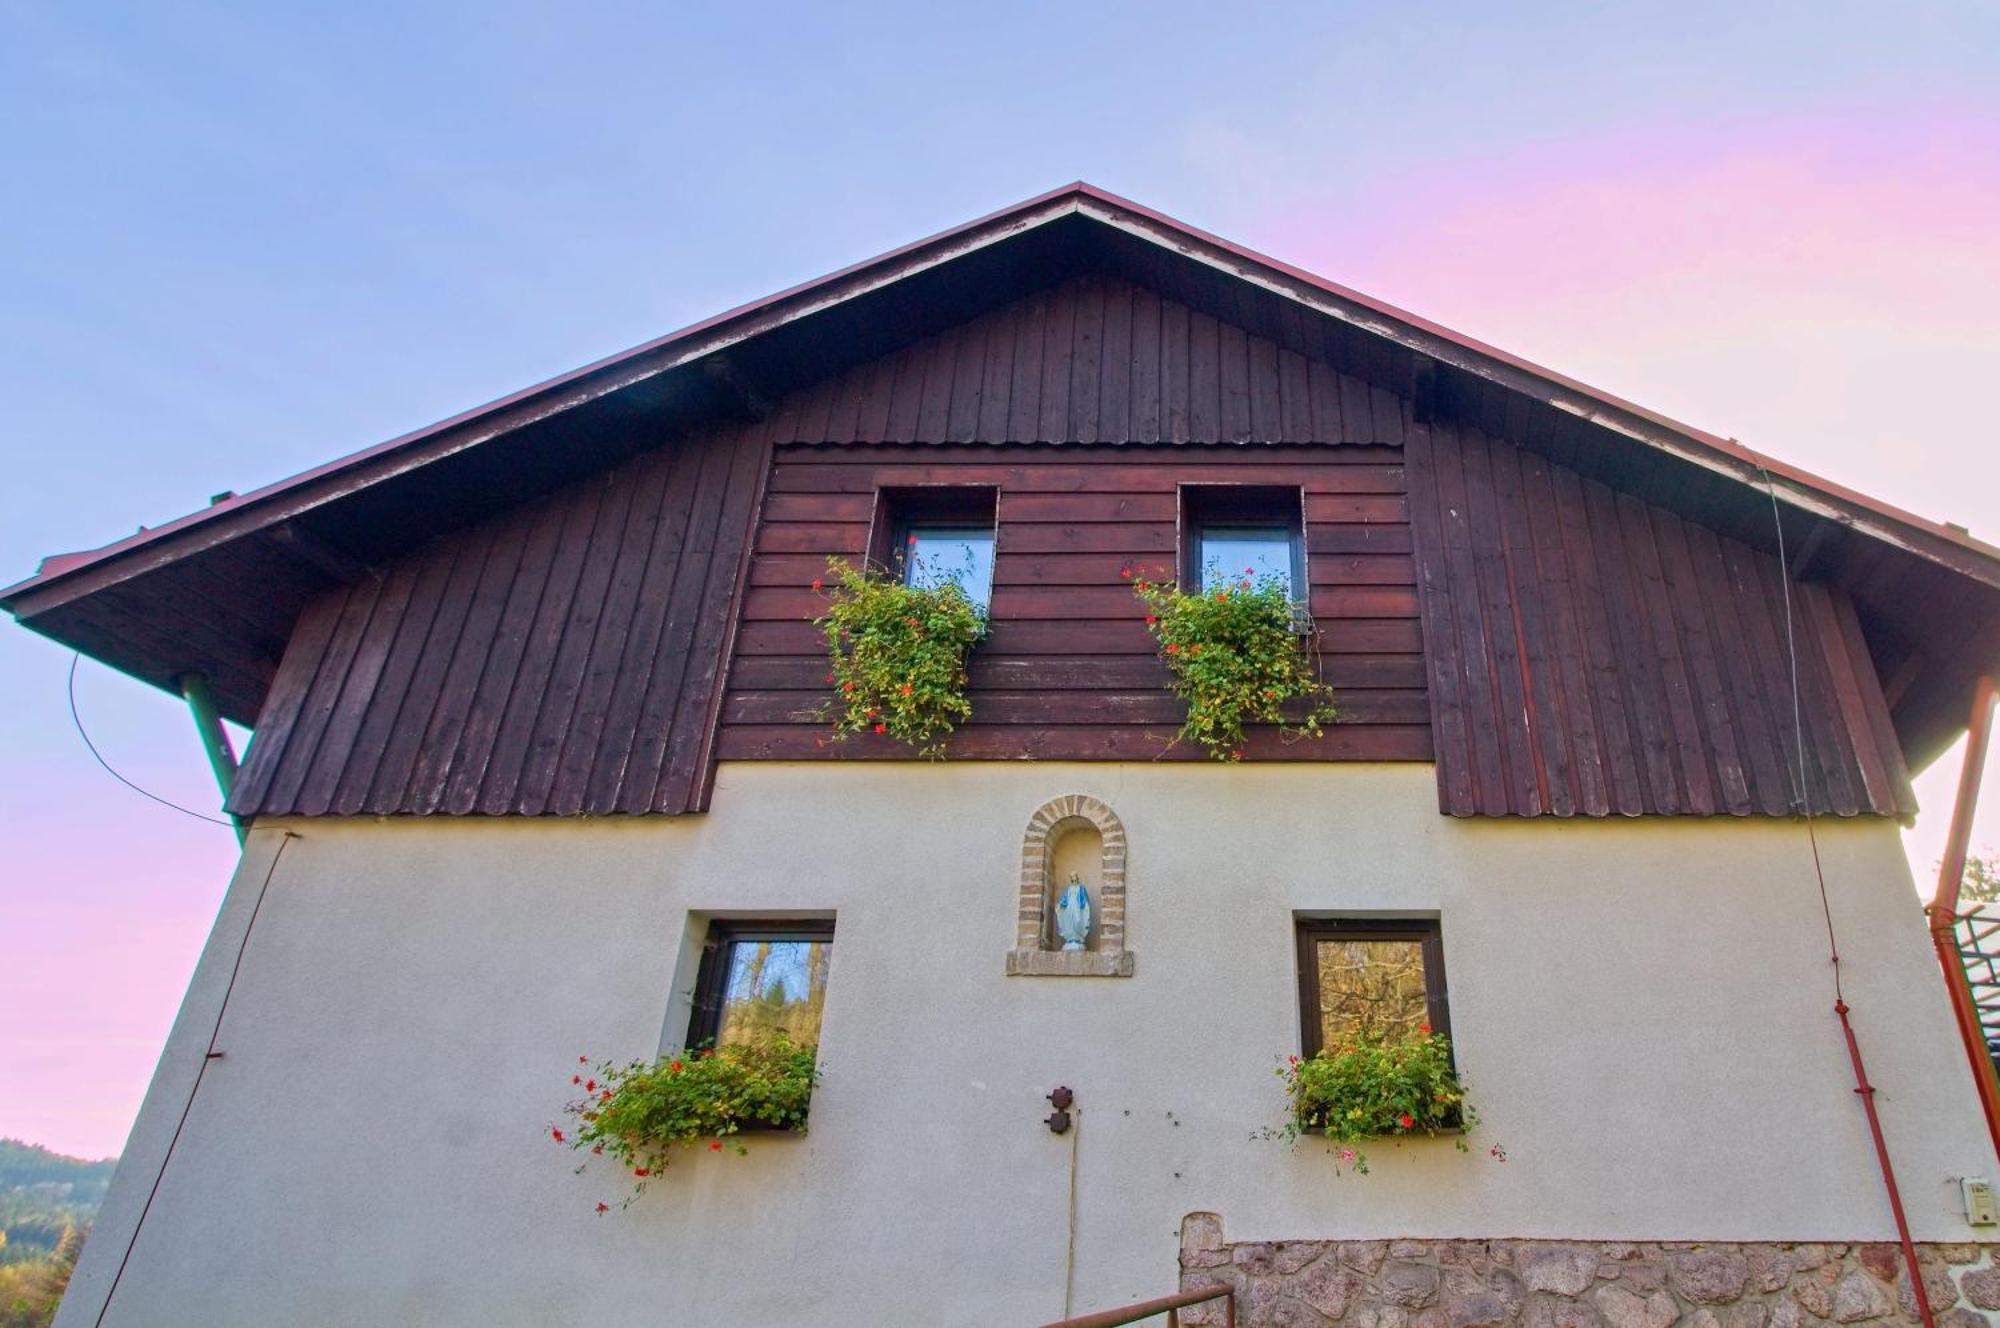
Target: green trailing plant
{"points": [[1377, 1086], [897, 655], [1236, 661], [636, 1114]]}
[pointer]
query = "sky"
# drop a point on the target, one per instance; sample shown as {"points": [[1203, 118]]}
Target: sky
{"points": [[236, 241]]}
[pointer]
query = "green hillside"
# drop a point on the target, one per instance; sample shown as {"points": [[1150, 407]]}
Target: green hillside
{"points": [[42, 1196]]}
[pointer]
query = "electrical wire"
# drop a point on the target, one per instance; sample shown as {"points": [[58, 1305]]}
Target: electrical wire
{"points": [[209, 1054], [77, 720], [1864, 1089]]}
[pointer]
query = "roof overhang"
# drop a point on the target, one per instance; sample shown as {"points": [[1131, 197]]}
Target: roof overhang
{"points": [[322, 526]]}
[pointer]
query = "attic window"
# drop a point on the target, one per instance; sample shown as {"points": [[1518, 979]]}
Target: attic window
{"points": [[936, 535], [1243, 532]]}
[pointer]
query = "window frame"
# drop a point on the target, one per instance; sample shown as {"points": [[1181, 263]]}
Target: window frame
{"points": [[900, 508], [712, 975], [1236, 506], [1310, 930]]}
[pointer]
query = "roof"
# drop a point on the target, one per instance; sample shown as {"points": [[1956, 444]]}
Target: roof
{"points": [[317, 528]]}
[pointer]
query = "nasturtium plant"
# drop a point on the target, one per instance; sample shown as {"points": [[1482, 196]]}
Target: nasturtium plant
{"points": [[1377, 1086], [897, 655], [637, 1113], [1236, 660]]}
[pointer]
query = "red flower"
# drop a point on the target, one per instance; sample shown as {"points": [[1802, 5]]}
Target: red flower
{"points": [[590, 1086], [816, 583], [907, 689], [576, 1078], [847, 687], [583, 1060], [556, 1134], [1150, 620], [1293, 1059], [715, 1145], [642, 1172], [881, 728], [676, 1066], [1125, 572], [605, 1096], [1221, 595], [1173, 649], [913, 539], [1236, 755], [1425, 1029], [603, 1207], [599, 1149], [1406, 1120]]}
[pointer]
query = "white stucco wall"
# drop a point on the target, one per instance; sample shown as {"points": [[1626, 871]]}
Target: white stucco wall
{"points": [[1642, 1010]]}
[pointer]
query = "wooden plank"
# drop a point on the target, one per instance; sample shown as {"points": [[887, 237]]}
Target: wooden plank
{"points": [[270, 744], [1024, 401], [1771, 786], [539, 767], [968, 383], [1114, 401], [1204, 379], [1635, 671], [1266, 400], [690, 504], [1902, 798], [1146, 424], [1709, 693], [1457, 791], [1876, 793], [1764, 631], [1549, 724], [808, 673], [1232, 346], [996, 387], [1363, 636], [1475, 679], [792, 742], [813, 474], [1057, 344], [1176, 382], [302, 745], [336, 747], [544, 642], [605, 670], [1583, 755], [1625, 785], [1526, 782]]}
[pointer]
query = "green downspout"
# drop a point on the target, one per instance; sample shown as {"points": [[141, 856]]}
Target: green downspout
{"points": [[214, 741]]}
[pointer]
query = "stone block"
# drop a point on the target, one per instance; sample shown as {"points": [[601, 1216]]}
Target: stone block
{"points": [[1708, 1276], [1564, 1269]]}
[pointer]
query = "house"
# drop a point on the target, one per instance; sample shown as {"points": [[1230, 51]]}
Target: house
{"points": [[543, 769]]}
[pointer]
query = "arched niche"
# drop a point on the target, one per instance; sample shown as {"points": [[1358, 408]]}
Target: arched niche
{"points": [[1074, 833]]}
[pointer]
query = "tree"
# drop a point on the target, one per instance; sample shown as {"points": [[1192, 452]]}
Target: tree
{"points": [[1981, 882]]}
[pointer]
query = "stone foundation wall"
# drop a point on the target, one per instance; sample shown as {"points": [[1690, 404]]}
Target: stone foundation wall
{"points": [[1579, 1284]]}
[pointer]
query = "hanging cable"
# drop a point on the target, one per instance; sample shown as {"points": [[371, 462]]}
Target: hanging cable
{"points": [[1862, 1087], [77, 720]]}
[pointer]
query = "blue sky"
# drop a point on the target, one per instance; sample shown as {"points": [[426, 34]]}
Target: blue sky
{"points": [[239, 240]]}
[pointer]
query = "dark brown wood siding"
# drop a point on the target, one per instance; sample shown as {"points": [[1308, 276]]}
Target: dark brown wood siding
{"points": [[563, 658], [1068, 670], [1099, 360], [1591, 654]]}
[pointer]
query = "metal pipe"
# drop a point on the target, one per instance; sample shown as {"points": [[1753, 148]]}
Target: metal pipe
{"points": [[1867, 1092], [214, 741], [1943, 910]]}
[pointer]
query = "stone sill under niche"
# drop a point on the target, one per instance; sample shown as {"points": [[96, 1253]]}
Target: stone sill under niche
{"points": [[1069, 964]]}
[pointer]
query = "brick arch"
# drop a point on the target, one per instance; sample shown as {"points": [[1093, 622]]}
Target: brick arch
{"points": [[1032, 955]]}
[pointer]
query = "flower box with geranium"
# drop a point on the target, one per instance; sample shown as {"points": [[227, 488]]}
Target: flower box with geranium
{"points": [[1377, 1086], [1237, 659], [897, 654], [636, 1114]]}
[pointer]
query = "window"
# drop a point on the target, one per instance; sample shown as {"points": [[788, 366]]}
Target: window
{"points": [[935, 535], [1371, 975], [936, 555], [1236, 532], [758, 979]]}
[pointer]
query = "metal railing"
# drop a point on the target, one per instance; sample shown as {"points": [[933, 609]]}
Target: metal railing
{"points": [[1979, 949], [1171, 1306]]}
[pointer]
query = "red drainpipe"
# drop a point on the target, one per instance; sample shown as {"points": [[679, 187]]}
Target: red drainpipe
{"points": [[1943, 910]]}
